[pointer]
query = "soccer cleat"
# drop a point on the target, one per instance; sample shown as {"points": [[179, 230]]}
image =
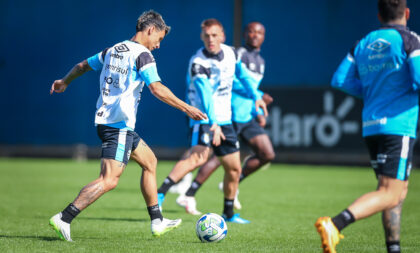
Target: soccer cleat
{"points": [[236, 219], [330, 236], [165, 226], [236, 204], [181, 201], [191, 206], [182, 186], [161, 198], [61, 228]]}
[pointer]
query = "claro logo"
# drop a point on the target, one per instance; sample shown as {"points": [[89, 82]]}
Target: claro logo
{"points": [[294, 130]]}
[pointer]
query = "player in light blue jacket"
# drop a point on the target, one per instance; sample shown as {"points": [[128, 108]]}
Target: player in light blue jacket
{"points": [[383, 69]]}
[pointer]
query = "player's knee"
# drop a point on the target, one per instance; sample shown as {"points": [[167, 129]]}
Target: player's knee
{"points": [[110, 183], [151, 165], [267, 156]]}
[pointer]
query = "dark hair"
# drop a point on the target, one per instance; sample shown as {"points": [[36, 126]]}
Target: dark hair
{"points": [[151, 18], [211, 22], [390, 10]]}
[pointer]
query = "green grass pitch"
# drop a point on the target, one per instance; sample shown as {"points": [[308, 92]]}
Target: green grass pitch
{"points": [[282, 204]]}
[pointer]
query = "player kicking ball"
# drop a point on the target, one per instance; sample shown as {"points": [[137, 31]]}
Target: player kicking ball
{"points": [[125, 68]]}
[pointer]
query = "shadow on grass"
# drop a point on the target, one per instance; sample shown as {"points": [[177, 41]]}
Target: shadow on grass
{"points": [[42, 238]]}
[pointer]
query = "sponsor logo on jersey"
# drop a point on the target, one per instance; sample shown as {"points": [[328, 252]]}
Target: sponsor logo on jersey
{"points": [[120, 57], [379, 45], [117, 69], [121, 48]]}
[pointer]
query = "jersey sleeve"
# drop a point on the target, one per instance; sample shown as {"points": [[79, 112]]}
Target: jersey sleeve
{"points": [[250, 85], [97, 61], [346, 78], [146, 66], [412, 47], [200, 77]]}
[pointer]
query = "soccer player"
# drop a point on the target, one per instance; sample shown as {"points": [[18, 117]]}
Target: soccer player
{"points": [[384, 70], [125, 68], [210, 76], [247, 122]]}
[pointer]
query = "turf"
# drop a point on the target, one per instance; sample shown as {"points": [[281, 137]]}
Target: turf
{"points": [[282, 203]]}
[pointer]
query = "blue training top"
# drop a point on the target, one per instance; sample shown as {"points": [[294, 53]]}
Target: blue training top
{"points": [[384, 70], [250, 70]]}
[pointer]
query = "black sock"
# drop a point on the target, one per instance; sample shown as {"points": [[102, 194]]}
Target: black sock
{"points": [[167, 183], [228, 208], [344, 219], [154, 212], [393, 247], [193, 188], [69, 213]]}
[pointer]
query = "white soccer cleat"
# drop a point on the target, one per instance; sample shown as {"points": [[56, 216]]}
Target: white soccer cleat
{"points": [[191, 206], [181, 200], [164, 226], [236, 204], [61, 228], [182, 186]]}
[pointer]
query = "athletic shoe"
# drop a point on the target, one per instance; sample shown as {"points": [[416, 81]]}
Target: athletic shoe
{"points": [[236, 204], [61, 228], [161, 198], [330, 236], [165, 226], [191, 206], [236, 219], [181, 201], [182, 186]]}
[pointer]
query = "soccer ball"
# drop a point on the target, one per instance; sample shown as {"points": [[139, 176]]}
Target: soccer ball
{"points": [[211, 227]]}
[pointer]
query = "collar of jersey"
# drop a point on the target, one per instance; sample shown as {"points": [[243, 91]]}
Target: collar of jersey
{"points": [[219, 56], [395, 26]]}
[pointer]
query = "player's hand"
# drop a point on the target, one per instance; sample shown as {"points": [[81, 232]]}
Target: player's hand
{"points": [[261, 120], [195, 113], [58, 86], [267, 99], [261, 104], [218, 135]]}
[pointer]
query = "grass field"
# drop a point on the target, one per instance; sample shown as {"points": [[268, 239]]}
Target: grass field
{"points": [[282, 203]]}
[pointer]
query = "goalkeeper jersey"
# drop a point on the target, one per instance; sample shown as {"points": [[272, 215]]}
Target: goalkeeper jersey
{"points": [[384, 70], [125, 68]]}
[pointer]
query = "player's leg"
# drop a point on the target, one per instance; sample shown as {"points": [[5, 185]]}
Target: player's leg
{"points": [[391, 220], [232, 165], [188, 200], [145, 157], [111, 171], [260, 143], [196, 156], [115, 152]]}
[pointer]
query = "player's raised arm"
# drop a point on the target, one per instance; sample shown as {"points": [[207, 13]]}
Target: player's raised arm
{"points": [[79, 69], [164, 94]]}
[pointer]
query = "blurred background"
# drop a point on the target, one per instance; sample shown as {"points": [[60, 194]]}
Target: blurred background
{"points": [[305, 41]]}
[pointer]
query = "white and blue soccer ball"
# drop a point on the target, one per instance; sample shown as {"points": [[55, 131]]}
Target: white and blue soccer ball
{"points": [[211, 227]]}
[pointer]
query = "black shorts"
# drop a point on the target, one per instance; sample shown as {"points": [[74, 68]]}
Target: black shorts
{"points": [[200, 134], [248, 130], [391, 155], [117, 143]]}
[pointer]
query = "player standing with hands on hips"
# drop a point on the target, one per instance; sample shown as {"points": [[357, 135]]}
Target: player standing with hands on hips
{"points": [[383, 69], [125, 68]]}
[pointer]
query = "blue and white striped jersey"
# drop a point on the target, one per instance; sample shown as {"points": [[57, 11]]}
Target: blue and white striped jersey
{"points": [[209, 84], [125, 68], [250, 70], [384, 70]]}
